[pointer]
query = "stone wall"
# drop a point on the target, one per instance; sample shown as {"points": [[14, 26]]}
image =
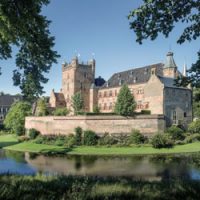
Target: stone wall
{"points": [[147, 124]]}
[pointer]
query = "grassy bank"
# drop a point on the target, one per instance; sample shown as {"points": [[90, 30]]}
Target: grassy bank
{"points": [[86, 150], [7, 140], [96, 188], [36, 148]]}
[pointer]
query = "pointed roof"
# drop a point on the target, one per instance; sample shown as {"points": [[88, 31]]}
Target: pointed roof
{"points": [[170, 63], [185, 70]]}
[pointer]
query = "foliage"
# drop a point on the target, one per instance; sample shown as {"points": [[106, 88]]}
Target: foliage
{"points": [[96, 188], [15, 119], [136, 137], [33, 133], [192, 138], [161, 141], [89, 138], [60, 112], [96, 109], [23, 138], [154, 17], [196, 102], [125, 104], [194, 127], [57, 140], [78, 135], [77, 103], [145, 112], [23, 26], [175, 133], [107, 139], [42, 109]]}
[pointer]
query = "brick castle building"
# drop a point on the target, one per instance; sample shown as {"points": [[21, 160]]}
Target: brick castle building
{"points": [[152, 86]]}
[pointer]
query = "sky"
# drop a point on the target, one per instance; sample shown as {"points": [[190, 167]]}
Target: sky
{"points": [[100, 29]]}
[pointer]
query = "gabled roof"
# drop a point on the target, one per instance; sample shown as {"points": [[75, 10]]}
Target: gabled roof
{"points": [[59, 97], [133, 76], [8, 100]]}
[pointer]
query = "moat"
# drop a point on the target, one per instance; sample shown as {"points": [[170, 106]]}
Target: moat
{"points": [[137, 167]]}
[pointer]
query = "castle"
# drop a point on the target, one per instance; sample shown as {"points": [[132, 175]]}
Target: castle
{"points": [[152, 86]]}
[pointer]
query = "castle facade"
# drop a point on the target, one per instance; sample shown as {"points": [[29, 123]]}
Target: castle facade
{"points": [[152, 87]]}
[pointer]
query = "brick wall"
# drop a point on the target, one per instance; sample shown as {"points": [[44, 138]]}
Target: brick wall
{"points": [[147, 124]]}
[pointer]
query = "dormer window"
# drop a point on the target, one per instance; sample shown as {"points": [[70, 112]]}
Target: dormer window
{"points": [[119, 75], [134, 79], [145, 71], [121, 82], [107, 84]]}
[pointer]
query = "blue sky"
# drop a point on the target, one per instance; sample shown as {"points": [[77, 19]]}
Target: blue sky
{"points": [[101, 27]]}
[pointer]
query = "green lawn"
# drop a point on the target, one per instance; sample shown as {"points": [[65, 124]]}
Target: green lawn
{"points": [[187, 148], [7, 140], [36, 148], [85, 150]]}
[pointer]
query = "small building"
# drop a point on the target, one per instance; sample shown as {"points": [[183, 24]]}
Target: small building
{"points": [[6, 101], [152, 86]]}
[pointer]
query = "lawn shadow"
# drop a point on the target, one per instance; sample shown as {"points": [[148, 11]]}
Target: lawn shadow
{"points": [[5, 144]]}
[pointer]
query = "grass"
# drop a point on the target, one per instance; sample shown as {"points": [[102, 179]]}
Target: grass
{"points": [[36, 148], [7, 140], [95, 188], [101, 150], [142, 150]]}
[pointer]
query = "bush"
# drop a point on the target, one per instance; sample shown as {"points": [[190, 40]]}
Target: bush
{"points": [[175, 133], [96, 109], [78, 135], [23, 138], [70, 141], [161, 141], [33, 133], [90, 138], [194, 127], [145, 112], [192, 138], [106, 139], [136, 137], [60, 112]]}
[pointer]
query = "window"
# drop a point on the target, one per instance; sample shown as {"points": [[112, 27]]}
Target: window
{"points": [[185, 114], [105, 94], [100, 106], [85, 75], [115, 92], [110, 93], [110, 106], [174, 117], [99, 94], [104, 106]]}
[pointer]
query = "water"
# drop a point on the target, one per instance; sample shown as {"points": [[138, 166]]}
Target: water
{"points": [[138, 167]]}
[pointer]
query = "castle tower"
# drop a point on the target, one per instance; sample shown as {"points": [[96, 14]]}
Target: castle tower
{"points": [[170, 68], [185, 70], [78, 77]]}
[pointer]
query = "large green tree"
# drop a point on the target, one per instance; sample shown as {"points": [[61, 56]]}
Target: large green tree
{"points": [[77, 103], [22, 25], [125, 104], [160, 16], [15, 119]]}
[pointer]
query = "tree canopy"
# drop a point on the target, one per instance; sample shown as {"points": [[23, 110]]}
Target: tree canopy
{"points": [[22, 25], [156, 16], [77, 103], [125, 104], [15, 119]]}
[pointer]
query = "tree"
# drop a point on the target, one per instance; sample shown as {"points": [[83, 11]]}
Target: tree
{"points": [[42, 109], [155, 17], [196, 102], [15, 119], [23, 26], [125, 104], [77, 103], [61, 112]]}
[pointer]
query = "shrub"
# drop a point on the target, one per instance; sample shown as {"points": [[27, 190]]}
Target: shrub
{"points": [[192, 138], [161, 141], [175, 133], [78, 135], [90, 138], [145, 112], [70, 141], [33, 133], [194, 127], [96, 109], [23, 138], [106, 139], [60, 112], [136, 137]]}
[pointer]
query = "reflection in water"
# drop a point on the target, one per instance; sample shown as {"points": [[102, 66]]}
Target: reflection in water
{"points": [[139, 167]]}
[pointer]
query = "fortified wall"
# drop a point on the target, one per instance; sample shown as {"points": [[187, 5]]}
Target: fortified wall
{"points": [[147, 124]]}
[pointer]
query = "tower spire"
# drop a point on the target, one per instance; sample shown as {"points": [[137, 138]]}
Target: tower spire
{"points": [[185, 70]]}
